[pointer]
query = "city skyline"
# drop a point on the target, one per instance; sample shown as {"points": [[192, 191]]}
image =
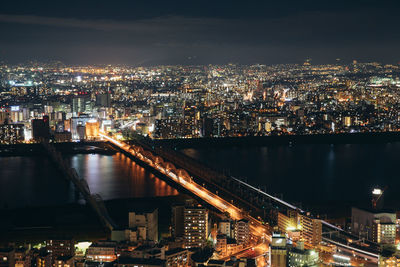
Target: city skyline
{"points": [[199, 133]]}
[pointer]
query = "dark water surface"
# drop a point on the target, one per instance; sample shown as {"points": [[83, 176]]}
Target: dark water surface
{"points": [[34, 181], [317, 175], [320, 176]]}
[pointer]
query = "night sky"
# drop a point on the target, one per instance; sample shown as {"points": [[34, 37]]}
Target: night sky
{"points": [[199, 32]]}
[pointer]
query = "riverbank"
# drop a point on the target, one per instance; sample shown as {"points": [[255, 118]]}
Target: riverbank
{"points": [[78, 221], [35, 149]]}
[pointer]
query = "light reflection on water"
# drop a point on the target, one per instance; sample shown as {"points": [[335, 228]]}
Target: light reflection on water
{"points": [[34, 181]]}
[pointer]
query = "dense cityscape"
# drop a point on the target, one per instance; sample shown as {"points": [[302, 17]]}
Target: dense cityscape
{"points": [[199, 133], [198, 101], [130, 108]]}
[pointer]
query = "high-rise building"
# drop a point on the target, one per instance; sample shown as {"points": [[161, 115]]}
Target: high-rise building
{"points": [[195, 226], [41, 129], [178, 220], [207, 127], [103, 100], [190, 118], [278, 250], [311, 230], [81, 103], [78, 126], [242, 231]]}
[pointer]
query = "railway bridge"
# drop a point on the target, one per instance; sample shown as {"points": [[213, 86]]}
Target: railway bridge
{"points": [[229, 194]]}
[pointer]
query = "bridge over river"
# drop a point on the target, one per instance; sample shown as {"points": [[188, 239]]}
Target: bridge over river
{"points": [[231, 195]]}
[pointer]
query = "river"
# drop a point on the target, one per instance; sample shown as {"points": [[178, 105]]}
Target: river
{"points": [[319, 176]]}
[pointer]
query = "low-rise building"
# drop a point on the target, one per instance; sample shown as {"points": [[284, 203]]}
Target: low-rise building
{"points": [[298, 256], [179, 257], [7, 257], [242, 231], [104, 251]]}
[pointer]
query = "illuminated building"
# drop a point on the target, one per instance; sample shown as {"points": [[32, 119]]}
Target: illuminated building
{"points": [[341, 260], [142, 128], [81, 104], [384, 232], [195, 226], [167, 128], [286, 223], [311, 230], [92, 129], [7, 257], [146, 225], [67, 125], [378, 226], [16, 116], [347, 121], [221, 244], [190, 118], [78, 125], [232, 246], [11, 133], [224, 227], [242, 231], [22, 257], [298, 256], [177, 257], [4, 117], [44, 260], [207, 127], [58, 247], [62, 136], [64, 261], [81, 132], [393, 261], [104, 251], [278, 251]]}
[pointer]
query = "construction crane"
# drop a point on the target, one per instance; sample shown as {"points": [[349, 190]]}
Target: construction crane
{"points": [[376, 196]]}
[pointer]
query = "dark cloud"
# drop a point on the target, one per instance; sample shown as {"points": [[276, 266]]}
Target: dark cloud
{"points": [[200, 32]]}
